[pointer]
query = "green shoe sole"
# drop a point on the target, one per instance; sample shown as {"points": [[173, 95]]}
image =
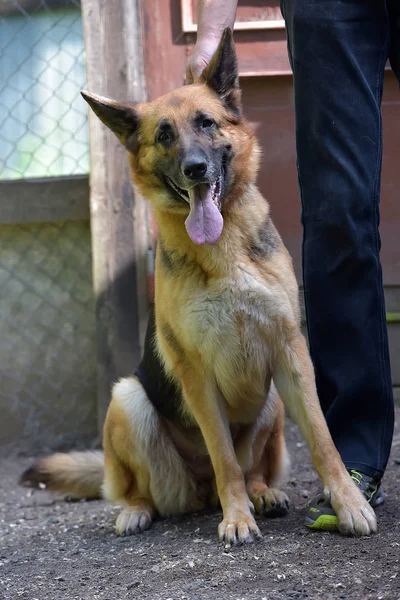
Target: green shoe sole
{"points": [[324, 523], [320, 515]]}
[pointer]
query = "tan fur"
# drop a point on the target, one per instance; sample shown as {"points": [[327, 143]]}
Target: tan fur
{"points": [[78, 474], [233, 311]]}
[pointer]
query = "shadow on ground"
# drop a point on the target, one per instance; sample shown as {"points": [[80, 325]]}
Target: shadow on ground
{"points": [[56, 550]]}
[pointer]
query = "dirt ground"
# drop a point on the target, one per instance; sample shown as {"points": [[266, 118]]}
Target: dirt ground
{"points": [[56, 550]]}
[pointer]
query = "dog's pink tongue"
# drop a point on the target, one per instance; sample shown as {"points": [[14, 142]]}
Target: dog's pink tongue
{"points": [[204, 223]]}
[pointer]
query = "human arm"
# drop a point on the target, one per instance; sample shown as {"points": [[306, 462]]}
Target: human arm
{"points": [[213, 17]]}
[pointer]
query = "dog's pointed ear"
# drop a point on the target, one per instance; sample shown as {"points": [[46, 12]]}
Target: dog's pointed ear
{"points": [[122, 118], [222, 73]]}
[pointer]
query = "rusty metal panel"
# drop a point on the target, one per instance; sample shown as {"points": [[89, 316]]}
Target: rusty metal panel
{"points": [[268, 105]]}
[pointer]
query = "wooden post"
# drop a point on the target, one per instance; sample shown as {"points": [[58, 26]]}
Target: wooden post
{"points": [[118, 214]]}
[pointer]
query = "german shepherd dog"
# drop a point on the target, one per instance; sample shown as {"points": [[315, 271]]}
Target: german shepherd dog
{"points": [[200, 421]]}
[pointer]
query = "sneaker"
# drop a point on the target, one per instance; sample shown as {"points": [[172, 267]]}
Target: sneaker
{"points": [[320, 514]]}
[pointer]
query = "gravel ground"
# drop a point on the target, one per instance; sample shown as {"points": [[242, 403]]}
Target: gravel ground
{"points": [[56, 550]]}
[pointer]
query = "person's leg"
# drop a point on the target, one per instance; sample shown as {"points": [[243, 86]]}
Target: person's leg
{"points": [[338, 52]]}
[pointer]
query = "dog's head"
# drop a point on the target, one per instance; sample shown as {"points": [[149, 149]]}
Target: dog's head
{"points": [[189, 148]]}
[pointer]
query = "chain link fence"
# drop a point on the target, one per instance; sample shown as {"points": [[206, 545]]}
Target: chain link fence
{"points": [[43, 129], [47, 313], [47, 345]]}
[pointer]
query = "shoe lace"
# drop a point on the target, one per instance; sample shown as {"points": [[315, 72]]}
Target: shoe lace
{"points": [[356, 476], [366, 485]]}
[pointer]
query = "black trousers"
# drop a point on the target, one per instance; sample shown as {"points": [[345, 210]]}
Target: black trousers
{"points": [[338, 50]]}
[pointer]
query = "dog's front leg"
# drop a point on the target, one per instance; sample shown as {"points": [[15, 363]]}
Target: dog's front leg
{"points": [[293, 375], [207, 406]]}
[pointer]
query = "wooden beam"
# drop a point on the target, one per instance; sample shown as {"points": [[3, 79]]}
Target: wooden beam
{"points": [[43, 200], [114, 65]]}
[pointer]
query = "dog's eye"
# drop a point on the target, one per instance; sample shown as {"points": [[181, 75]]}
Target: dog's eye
{"points": [[207, 123], [164, 137]]}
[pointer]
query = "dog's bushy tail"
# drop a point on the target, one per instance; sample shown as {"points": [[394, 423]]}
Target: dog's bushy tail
{"points": [[77, 474]]}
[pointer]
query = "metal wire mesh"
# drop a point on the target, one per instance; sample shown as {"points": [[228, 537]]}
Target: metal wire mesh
{"points": [[43, 120], [47, 313], [47, 340]]}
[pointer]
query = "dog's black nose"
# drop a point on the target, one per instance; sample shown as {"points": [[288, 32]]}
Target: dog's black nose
{"points": [[194, 167]]}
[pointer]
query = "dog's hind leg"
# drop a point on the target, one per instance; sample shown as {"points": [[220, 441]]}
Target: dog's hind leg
{"points": [[143, 469], [270, 463], [127, 482]]}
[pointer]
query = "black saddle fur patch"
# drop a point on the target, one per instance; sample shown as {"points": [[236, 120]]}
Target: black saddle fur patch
{"points": [[163, 392]]}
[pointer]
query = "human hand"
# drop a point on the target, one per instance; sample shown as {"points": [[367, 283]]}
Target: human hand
{"points": [[200, 58], [213, 17]]}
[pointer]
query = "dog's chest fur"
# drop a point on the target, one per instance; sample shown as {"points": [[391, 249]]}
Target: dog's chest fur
{"points": [[228, 324]]}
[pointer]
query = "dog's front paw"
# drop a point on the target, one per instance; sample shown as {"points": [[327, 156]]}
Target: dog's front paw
{"points": [[132, 521], [355, 515], [271, 503], [238, 529]]}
